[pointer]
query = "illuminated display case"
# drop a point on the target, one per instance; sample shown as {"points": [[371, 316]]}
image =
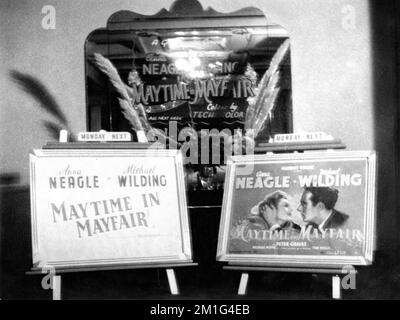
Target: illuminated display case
{"points": [[200, 68], [196, 74]]}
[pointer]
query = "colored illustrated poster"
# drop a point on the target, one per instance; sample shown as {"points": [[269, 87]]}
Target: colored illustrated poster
{"points": [[105, 207], [313, 208]]}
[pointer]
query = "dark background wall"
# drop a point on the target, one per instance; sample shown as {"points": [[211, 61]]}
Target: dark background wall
{"points": [[385, 40]]}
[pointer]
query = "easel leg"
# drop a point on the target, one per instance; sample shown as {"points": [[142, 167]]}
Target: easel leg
{"points": [[158, 278], [173, 286], [336, 289], [56, 287], [243, 284]]}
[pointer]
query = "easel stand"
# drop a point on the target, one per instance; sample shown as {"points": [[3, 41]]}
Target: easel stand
{"points": [[244, 279], [57, 273], [263, 148]]}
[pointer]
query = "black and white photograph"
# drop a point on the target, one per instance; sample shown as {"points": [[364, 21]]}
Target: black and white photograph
{"points": [[297, 209], [199, 151]]}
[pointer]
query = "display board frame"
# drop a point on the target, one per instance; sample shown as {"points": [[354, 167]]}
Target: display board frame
{"points": [[247, 164], [42, 259]]}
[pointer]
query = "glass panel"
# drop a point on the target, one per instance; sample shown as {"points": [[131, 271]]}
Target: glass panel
{"points": [[204, 78]]}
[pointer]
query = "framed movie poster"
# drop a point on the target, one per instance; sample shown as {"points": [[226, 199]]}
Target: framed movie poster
{"points": [[305, 209], [106, 207]]}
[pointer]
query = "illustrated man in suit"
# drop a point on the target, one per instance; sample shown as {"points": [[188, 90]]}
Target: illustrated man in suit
{"points": [[273, 213], [317, 208]]}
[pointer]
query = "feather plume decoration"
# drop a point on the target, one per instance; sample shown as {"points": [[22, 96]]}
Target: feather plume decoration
{"points": [[278, 57], [130, 114], [111, 72], [251, 75], [134, 113], [261, 106], [142, 116], [139, 109], [266, 113], [265, 109], [123, 90]]}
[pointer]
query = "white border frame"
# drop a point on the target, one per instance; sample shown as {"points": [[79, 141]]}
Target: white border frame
{"points": [[300, 260], [185, 256]]}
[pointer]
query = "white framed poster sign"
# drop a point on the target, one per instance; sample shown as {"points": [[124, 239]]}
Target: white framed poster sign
{"points": [[312, 209], [108, 207]]}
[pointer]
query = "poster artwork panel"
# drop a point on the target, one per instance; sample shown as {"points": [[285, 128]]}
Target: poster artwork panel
{"points": [[100, 207], [315, 208]]}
